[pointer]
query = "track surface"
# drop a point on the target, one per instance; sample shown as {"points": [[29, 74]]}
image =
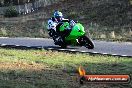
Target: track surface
{"points": [[101, 47]]}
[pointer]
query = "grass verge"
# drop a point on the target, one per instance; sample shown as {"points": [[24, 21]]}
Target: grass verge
{"points": [[47, 69]]}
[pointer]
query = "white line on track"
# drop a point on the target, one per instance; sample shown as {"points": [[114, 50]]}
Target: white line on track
{"points": [[83, 51], [3, 44], [17, 45], [62, 49], [73, 50]]}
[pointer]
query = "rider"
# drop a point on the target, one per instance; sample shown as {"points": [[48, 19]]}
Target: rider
{"points": [[53, 25]]}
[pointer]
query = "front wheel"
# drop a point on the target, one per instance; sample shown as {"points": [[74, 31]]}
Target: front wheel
{"points": [[87, 42]]}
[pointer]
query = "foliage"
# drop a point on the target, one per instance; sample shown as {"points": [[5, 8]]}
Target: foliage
{"points": [[72, 15], [11, 12], [15, 2]]}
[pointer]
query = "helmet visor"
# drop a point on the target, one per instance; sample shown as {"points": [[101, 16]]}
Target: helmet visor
{"points": [[59, 18]]}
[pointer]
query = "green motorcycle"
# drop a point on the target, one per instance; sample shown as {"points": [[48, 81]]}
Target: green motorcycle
{"points": [[77, 35]]}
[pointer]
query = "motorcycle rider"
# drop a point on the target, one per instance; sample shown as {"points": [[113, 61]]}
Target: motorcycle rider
{"points": [[53, 27]]}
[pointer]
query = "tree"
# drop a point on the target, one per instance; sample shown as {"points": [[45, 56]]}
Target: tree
{"points": [[1, 2], [15, 2]]}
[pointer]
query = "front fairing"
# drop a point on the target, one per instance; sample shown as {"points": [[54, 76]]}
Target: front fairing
{"points": [[77, 31]]}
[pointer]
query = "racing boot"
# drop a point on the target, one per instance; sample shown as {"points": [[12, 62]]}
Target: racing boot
{"points": [[58, 41]]}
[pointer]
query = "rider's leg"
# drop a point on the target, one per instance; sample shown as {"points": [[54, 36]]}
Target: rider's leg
{"points": [[52, 33], [65, 34]]}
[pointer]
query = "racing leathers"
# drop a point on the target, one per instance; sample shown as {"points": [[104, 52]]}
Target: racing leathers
{"points": [[53, 28]]}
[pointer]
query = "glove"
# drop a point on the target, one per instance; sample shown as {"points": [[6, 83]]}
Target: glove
{"points": [[68, 28]]}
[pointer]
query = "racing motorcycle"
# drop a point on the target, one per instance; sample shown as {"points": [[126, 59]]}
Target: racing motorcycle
{"points": [[77, 35]]}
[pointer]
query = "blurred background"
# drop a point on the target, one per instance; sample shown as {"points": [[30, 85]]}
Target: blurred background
{"points": [[104, 19]]}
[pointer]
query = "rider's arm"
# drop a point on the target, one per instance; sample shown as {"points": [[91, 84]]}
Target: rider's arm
{"points": [[68, 20], [65, 20], [51, 25]]}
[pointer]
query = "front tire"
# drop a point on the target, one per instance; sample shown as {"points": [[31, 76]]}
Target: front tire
{"points": [[87, 42]]}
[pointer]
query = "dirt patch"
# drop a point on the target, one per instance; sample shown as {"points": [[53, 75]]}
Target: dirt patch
{"points": [[22, 65], [43, 75]]}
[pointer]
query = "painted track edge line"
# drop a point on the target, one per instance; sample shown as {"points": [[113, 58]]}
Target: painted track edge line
{"points": [[65, 50]]}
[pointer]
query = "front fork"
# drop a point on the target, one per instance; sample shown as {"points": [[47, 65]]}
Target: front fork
{"points": [[80, 41]]}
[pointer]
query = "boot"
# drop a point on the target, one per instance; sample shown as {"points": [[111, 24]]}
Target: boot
{"points": [[59, 41]]}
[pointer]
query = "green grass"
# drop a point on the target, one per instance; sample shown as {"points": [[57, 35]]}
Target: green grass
{"points": [[48, 69]]}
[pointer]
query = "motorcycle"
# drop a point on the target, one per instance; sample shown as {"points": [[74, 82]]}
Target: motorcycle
{"points": [[76, 37]]}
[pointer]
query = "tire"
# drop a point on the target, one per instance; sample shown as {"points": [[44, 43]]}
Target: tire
{"points": [[87, 42]]}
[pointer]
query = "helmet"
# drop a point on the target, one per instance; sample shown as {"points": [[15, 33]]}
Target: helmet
{"points": [[58, 15]]}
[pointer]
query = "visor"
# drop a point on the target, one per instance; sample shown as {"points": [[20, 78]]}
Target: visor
{"points": [[58, 17]]}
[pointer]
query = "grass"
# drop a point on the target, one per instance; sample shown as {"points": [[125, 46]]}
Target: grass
{"points": [[48, 69]]}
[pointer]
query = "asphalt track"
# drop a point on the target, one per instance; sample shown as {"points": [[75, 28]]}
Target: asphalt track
{"points": [[123, 49]]}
